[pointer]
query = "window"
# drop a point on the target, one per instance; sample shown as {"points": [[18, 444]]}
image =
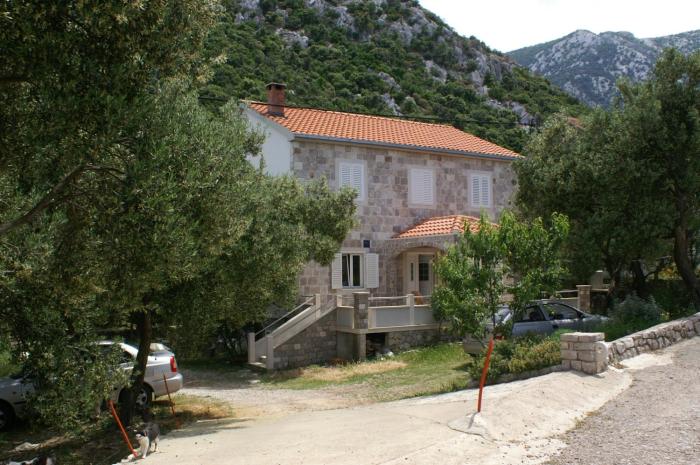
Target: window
{"points": [[481, 190], [530, 314], [421, 186], [355, 270], [561, 312], [352, 270], [352, 174]]}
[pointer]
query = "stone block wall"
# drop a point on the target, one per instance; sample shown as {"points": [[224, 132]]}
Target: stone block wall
{"points": [[386, 210], [654, 338], [404, 340], [588, 352], [316, 344], [585, 352]]}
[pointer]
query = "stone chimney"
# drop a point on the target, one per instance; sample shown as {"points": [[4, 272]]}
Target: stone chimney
{"points": [[275, 98]]}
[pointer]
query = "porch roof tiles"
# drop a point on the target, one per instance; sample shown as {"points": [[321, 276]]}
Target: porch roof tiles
{"points": [[440, 226]]}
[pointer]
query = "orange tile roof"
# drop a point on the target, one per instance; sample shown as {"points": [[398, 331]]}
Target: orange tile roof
{"points": [[379, 129], [440, 226]]}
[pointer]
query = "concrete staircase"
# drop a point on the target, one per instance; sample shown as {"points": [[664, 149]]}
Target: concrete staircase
{"points": [[262, 345]]}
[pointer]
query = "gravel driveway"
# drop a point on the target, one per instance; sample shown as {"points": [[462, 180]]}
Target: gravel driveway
{"points": [[656, 421]]}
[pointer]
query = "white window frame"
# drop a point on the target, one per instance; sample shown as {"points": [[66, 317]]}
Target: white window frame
{"points": [[416, 175], [482, 175], [362, 191], [350, 263]]}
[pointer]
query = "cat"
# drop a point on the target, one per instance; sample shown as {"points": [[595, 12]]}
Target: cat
{"points": [[147, 437]]}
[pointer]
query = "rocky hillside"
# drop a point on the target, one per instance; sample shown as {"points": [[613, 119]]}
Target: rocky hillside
{"points": [[381, 56], [587, 65]]}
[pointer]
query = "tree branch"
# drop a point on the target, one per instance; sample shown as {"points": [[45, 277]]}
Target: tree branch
{"points": [[44, 203]]}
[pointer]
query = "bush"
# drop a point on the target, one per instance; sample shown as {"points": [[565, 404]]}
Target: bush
{"points": [[672, 297], [518, 356], [634, 309]]}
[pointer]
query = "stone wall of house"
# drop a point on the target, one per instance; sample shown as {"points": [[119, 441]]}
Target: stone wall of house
{"points": [[399, 341], [654, 338], [386, 210], [316, 344]]}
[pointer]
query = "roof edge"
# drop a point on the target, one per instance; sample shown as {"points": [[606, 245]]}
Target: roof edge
{"points": [[408, 147]]}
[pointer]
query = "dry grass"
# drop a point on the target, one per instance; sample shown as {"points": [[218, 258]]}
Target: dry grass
{"points": [[340, 373]]}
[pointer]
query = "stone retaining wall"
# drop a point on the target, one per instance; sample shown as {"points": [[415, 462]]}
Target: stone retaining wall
{"points": [[585, 352], [588, 352], [654, 338], [316, 344]]}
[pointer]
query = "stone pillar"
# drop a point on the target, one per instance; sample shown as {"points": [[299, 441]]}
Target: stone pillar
{"points": [[586, 352], [270, 353], [360, 315], [584, 297], [251, 347], [361, 304]]}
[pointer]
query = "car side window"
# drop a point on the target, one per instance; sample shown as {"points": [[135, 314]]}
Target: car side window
{"points": [[561, 312], [532, 313], [126, 357]]}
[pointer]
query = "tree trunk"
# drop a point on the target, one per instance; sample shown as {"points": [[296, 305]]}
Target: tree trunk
{"points": [[639, 282], [144, 332], [683, 263]]}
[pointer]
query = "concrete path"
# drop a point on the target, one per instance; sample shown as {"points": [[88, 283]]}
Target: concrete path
{"points": [[656, 421], [516, 426]]}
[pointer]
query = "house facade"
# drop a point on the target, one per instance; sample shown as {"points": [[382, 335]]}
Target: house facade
{"points": [[418, 184]]}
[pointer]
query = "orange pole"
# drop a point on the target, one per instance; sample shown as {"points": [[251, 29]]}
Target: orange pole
{"points": [[121, 427], [172, 406], [483, 373]]}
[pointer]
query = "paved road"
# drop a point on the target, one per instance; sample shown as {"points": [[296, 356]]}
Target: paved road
{"points": [[656, 421]]}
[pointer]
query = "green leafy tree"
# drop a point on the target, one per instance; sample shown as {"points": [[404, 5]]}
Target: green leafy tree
{"points": [[516, 258], [627, 178], [124, 200]]}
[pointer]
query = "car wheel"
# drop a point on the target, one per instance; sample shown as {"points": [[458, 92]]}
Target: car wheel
{"points": [[7, 416], [144, 398]]}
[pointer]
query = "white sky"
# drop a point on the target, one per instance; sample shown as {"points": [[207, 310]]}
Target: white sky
{"points": [[507, 25]]}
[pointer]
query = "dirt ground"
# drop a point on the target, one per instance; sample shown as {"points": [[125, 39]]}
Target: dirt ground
{"points": [[656, 421], [250, 399]]}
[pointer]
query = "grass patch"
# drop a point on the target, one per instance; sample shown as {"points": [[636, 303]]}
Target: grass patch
{"points": [[428, 370], [100, 443]]}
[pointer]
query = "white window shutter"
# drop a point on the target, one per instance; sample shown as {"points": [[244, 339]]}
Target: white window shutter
{"points": [[352, 175], [476, 190], [422, 186], [485, 191], [337, 272], [371, 271]]}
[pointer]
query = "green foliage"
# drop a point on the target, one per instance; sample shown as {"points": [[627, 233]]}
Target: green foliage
{"points": [[472, 272], [338, 69], [533, 256], [627, 178], [517, 356], [123, 199], [672, 297], [634, 308], [470, 280]]}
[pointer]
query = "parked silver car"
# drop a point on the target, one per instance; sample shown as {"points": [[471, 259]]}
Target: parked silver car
{"points": [[540, 317], [14, 389]]}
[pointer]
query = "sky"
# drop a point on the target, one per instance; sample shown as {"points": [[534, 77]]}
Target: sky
{"points": [[507, 25]]}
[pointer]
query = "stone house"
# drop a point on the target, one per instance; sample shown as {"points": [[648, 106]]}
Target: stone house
{"points": [[418, 184]]}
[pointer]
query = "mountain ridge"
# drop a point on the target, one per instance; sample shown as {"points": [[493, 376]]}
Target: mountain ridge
{"points": [[587, 65]]}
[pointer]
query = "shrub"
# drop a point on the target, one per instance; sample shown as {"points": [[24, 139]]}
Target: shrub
{"points": [[517, 356], [634, 309]]}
